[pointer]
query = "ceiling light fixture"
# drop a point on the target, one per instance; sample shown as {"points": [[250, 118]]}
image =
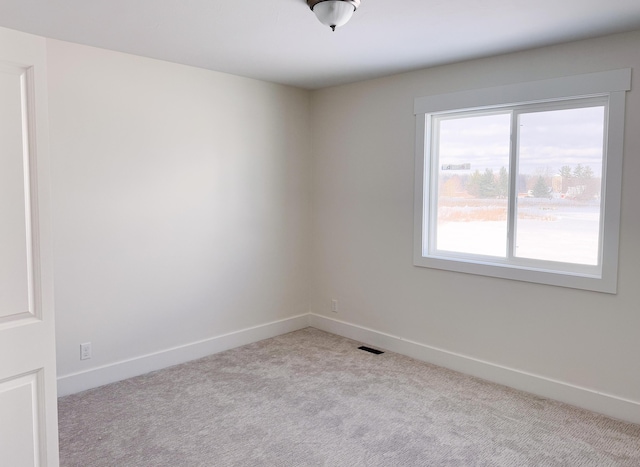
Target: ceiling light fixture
{"points": [[333, 13]]}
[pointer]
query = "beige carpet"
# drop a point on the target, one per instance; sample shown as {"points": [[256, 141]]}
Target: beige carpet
{"points": [[309, 398]]}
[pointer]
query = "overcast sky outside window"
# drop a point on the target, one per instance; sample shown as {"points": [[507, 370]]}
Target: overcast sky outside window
{"points": [[548, 141]]}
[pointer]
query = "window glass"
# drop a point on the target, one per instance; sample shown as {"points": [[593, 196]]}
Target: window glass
{"points": [[550, 211], [472, 154], [560, 157]]}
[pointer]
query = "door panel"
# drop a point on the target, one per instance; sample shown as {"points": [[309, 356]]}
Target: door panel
{"points": [[19, 402], [15, 209], [28, 409]]}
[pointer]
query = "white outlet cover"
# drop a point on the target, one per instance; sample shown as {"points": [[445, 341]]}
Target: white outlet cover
{"points": [[85, 351]]}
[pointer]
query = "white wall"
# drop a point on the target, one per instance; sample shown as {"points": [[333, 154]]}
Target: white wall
{"points": [[363, 166], [181, 204]]}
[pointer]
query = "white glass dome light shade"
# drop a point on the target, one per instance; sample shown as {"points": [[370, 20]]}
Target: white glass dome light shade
{"points": [[334, 13]]}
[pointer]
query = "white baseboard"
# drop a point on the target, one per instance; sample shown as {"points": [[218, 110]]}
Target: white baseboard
{"points": [[606, 404], [81, 381]]}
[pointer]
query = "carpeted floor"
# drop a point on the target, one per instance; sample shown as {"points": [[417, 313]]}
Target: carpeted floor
{"points": [[310, 398]]}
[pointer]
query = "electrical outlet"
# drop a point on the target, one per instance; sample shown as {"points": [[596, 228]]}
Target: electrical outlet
{"points": [[85, 351], [334, 305]]}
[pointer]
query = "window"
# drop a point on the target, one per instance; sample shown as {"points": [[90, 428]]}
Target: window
{"points": [[523, 181]]}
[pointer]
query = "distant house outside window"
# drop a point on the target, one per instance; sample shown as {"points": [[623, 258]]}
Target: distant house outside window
{"points": [[523, 181]]}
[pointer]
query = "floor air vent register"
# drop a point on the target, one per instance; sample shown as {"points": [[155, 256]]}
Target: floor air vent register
{"points": [[370, 350]]}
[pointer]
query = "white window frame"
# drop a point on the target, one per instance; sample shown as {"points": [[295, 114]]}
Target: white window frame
{"points": [[611, 85]]}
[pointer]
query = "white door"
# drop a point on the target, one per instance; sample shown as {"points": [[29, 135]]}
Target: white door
{"points": [[28, 409]]}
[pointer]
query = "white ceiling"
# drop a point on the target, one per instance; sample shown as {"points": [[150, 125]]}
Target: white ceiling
{"points": [[282, 41]]}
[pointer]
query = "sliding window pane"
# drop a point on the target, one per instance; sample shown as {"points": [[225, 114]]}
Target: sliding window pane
{"points": [[560, 158], [473, 184]]}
